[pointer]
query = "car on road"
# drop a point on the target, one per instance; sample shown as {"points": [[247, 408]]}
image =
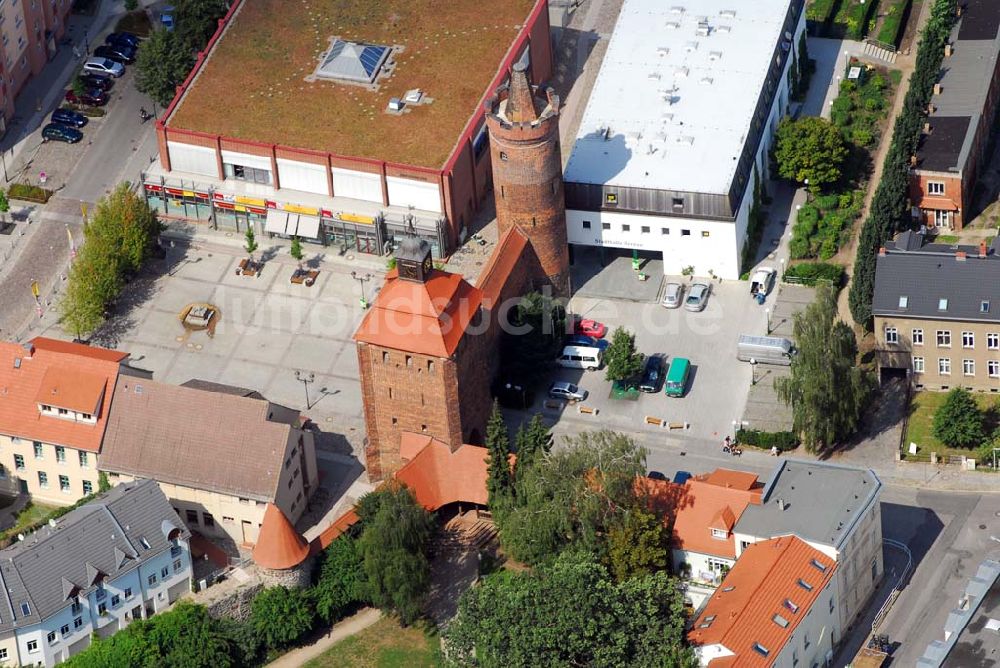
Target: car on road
{"points": [[651, 374], [117, 52], [59, 132], [126, 38], [697, 297], [92, 98], [673, 295], [591, 328], [676, 382], [99, 81], [104, 66], [761, 283], [585, 341], [568, 391], [69, 117]]}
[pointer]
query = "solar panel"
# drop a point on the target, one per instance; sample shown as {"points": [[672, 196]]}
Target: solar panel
{"points": [[353, 61], [371, 58]]}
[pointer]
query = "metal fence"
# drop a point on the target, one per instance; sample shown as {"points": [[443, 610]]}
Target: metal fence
{"points": [[898, 587]]}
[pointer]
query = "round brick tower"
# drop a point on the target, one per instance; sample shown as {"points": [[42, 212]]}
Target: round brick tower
{"points": [[527, 171]]}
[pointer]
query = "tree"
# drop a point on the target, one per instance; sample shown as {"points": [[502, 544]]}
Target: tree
{"points": [[570, 613], [499, 482], [81, 308], [532, 336], [250, 241], [280, 616], [573, 496], [296, 250], [197, 20], [638, 547], [810, 148], [621, 358], [341, 585], [959, 422], [131, 5], [162, 64], [103, 485], [826, 390], [393, 548], [532, 442]]}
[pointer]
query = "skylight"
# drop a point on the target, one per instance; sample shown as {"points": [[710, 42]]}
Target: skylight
{"points": [[984, 306], [790, 604], [805, 585], [942, 304], [903, 301], [760, 649], [780, 621], [818, 566], [353, 61]]}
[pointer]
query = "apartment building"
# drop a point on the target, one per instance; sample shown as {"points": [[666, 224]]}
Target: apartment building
{"points": [[123, 556], [55, 398], [219, 453], [29, 30], [936, 311]]}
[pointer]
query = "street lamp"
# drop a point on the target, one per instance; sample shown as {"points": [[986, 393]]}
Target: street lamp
{"points": [[753, 371], [767, 315], [361, 279], [305, 379], [736, 426]]}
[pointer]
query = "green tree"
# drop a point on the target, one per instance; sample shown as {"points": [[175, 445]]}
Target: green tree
{"points": [[810, 148], [103, 485], [78, 86], [574, 496], [499, 482], [250, 241], [296, 250], [959, 422], [826, 390], [570, 613], [622, 360], [341, 585], [532, 338], [123, 227], [162, 64], [81, 308], [393, 548], [197, 20], [532, 442], [280, 616], [639, 546], [131, 5]]}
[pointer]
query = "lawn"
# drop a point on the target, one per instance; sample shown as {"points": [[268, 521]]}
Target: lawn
{"points": [[136, 22], [920, 427], [384, 644], [35, 512]]}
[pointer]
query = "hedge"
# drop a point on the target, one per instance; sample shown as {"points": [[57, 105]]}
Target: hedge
{"points": [[889, 210], [892, 25], [783, 440], [811, 273], [821, 11], [29, 193]]}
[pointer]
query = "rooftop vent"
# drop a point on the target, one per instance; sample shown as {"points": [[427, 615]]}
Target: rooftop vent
{"points": [[703, 29], [691, 46], [677, 9], [662, 50], [653, 76], [728, 13], [681, 72], [673, 25], [706, 80], [781, 504], [686, 139], [714, 55], [724, 29]]}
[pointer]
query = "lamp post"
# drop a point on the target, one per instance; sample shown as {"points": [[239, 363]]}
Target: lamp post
{"points": [[767, 315], [753, 371], [736, 427], [361, 279], [306, 378]]}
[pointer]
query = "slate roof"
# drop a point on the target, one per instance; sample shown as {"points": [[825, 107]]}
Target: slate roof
{"points": [[101, 538], [932, 273]]}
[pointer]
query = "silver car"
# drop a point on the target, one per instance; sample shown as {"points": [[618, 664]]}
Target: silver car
{"points": [[697, 297], [568, 391], [104, 66], [673, 295]]}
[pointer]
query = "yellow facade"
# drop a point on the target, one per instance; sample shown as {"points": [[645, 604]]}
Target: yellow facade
{"points": [[59, 476]]}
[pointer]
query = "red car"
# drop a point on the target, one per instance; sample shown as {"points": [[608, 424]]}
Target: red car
{"points": [[590, 328], [93, 98]]}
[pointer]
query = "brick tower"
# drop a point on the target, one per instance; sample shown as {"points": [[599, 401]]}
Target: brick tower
{"points": [[527, 171]]}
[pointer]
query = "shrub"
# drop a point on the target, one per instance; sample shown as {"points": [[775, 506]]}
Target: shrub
{"points": [[798, 247], [841, 110], [863, 137], [810, 273], [959, 422], [807, 218], [827, 202], [783, 440], [28, 192], [827, 249]]}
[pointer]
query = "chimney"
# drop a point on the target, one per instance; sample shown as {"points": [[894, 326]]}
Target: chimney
{"points": [[881, 251], [982, 248], [947, 50], [781, 504], [960, 256], [913, 161], [29, 349], [931, 108], [928, 128], [937, 89]]}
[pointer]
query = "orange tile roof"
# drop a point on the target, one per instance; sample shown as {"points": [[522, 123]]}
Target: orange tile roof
{"points": [[504, 258], [439, 476], [426, 318], [279, 545], [335, 530], [71, 389], [25, 376], [714, 500], [766, 575]]}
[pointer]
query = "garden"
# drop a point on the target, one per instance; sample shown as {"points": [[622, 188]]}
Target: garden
{"points": [[953, 423], [385, 644], [851, 19]]}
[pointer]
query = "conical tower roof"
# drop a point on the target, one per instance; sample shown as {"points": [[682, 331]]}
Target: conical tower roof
{"points": [[279, 546], [522, 106]]}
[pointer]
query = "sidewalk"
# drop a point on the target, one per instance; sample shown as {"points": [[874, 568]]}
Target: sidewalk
{"points": [[348, 627]]}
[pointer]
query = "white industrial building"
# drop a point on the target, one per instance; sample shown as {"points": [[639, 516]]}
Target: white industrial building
{"points": [[682, 115]]}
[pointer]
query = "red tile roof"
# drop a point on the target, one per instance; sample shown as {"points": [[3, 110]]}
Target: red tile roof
{"points": [[715, 500], [499, 267], [766, 575], [279, 545], [439, 476], [78, 373], [427, 318]]}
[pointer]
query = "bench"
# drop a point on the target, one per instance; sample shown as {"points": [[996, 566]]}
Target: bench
{"points": [[677, 425], [655, 421], [304, 277], [587, 410]]}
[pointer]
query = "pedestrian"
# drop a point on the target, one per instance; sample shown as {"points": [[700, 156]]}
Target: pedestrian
{"points": [[76, 52], [727, 443]]}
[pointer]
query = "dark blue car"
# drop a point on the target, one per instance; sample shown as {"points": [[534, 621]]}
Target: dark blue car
{"points": [[126, 38], [69, 117]]}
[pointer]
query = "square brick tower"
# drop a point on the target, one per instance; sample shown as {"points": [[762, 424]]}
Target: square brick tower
{"points": [[422, 346]]}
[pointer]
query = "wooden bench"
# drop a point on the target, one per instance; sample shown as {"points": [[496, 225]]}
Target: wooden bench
{"points": [[677, 425], [248, 268], [304, 277], [655, 421], [587, 410]]}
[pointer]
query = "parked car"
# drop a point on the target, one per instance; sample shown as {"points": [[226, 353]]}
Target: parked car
{"points": [[167, 18], [761, 283], [126, 38], [656, 475], [69, 117], [93, 98], [59, 132], [673, 295], [99, 81], [652, 374], [697, 297], [118, 53], [585, 341], [681, 477], [104, 66], [569, 391], [590, 328]]}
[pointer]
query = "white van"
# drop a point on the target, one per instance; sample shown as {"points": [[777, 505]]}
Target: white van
{"points": [[765, 349], [580, 357]]}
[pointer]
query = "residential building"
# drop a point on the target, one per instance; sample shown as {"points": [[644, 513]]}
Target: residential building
{"points": [[776, 607], [220, 457], [29, 32], [55, 398], [952, 149], [121, 557], [351, 136], [936, 311], [678, 128]]}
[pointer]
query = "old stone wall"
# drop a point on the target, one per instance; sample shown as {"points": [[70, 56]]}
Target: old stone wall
{"points": [[236, 604]]}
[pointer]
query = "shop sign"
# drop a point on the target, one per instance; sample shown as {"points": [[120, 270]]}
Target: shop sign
{"points": [[224, 205], [154, 188], [258, 211], [355, 218], [253, 201], [295, 208], [326, 213]]}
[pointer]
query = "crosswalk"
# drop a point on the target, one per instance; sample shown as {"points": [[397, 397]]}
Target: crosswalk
{"points": [[880, 53]]}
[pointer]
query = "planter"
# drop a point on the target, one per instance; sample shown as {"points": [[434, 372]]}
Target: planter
{"points": [[306, 277], [248, 267]]}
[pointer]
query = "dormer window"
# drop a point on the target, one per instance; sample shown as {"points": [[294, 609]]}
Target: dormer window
{"points": [[984, 306], [942, 304], [721, 534], [46, 409], [903, 301]]}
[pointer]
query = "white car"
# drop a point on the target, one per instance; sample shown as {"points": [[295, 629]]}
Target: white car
{"points": [[762, 281], [104, 66], [673, 295]]}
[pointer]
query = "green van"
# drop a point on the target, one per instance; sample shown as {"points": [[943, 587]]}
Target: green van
{"points": [[677, 377]]}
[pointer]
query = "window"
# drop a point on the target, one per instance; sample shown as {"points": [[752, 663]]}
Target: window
{"points": [[705, 233], [51, 637], [102, 608], [918, 365], [944, 366], [503, 156], [831, 605], [645, 229], [586, 224], [891, 335], [984, 306], [84, 460], [88, 488], [942, 304], [944, 338], [993, 341], [78, 622], [385, 360], [176, 549], [227, 520], [935, 187], [39, 453], [917, 335], [100, 593], [720, 533], [874, 569], [685, 233], [208, 520], [791, 605], [244, 173], [665, 231], [993, 367], [677, 202], [43, 479], [25, 609], [115, 600], [805, 585], [805, 640], [626, 228], [744, 544], [903, 301], [128, 593], [165, 572], [151, 580], [64, 484], [611, 198], [32, 645], [605, 226], [64, 629], [969, 367], [177, 565], [192, 516], [968, 340], [19, 462], [760, 649], [76, 607], [60, 454]]}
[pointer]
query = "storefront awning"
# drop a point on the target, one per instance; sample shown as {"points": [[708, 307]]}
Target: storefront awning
{"points": [[292, 224], [276, 221], [308, 226]]}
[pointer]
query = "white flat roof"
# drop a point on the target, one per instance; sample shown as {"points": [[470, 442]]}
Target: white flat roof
{"points": [[678, 100]]}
